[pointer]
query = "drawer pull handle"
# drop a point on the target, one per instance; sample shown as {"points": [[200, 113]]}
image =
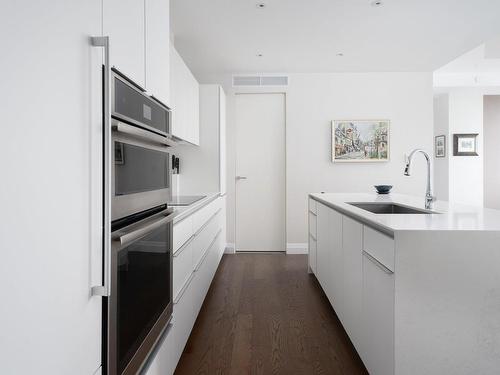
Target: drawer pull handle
{"points": [[377, 263]]}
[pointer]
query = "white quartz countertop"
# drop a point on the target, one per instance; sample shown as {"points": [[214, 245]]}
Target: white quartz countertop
{"points": [[181, 212], [453, 217]]}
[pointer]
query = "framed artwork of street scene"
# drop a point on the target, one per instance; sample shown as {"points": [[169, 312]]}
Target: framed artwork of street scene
{"points": [[360, 141]]}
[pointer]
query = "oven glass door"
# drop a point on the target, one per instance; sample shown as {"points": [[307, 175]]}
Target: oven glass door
{"points": [[143, 294], [140, 176], [139, 169], [134, 107]]}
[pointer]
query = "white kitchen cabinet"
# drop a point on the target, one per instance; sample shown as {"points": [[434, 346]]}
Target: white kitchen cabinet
{"points": [[157, 37], [323, 246], [329, 254], [335, 264], [51, 169], [352, 244], [377, 349], [185, 100], [161, 361], [195, 262], [124, 23]]}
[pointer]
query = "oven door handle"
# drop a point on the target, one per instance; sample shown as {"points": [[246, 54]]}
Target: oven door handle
{"points": [[142, 134], [130, 237]]}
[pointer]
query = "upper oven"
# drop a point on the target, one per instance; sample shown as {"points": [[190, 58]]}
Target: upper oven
{"points": [[130, 103], [140, 167]]}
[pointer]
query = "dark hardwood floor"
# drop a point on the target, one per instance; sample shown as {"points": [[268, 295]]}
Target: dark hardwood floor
{"points": [[264, 314]]}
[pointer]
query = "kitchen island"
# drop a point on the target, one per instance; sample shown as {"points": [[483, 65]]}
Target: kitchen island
{"points": [[417, 293]]}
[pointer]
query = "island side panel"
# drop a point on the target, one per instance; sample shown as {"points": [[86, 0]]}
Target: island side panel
{"points": [[447, 302]]}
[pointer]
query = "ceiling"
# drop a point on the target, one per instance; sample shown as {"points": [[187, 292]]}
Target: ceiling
{"points": [[474, 61], [226, 36]]}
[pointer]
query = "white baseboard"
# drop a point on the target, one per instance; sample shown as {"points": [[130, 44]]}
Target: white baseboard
{"points": [[230, 248], [297, 248]]}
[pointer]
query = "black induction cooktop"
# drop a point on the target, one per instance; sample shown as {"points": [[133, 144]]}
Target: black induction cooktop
{"points": [[185, 200]]}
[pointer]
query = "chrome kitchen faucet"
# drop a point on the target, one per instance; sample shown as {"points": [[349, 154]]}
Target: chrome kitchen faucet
{"points": [[429, 198]]}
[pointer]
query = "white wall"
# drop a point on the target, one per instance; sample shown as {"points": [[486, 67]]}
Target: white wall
{"points": [[441, 165], [492, 151], [466, 172], [313, 100]]}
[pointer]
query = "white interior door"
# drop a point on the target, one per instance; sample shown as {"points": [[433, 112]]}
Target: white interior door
{"points": [[260, 172]]}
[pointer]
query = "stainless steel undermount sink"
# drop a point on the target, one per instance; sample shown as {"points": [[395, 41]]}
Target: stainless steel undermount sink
{"points": [[390, 208]]}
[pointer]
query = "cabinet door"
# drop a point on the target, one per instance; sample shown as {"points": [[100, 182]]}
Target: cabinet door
{"points": [[50, 243], [185, 99], [123, 22], [335, 264], [222, 141], [329, 253], [178, 96], [377, 349], [352, 244], [323, 246], [158, 49]]}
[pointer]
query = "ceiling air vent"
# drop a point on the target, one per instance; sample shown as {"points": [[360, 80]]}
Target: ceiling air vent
{"points": [[267, 80]]}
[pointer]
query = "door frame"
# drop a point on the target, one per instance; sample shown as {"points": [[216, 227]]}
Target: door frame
{"points": [[285, 193]]}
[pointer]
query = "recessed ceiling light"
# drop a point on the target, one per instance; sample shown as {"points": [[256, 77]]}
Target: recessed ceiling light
{"points": [[261, 5], [376, 3]]}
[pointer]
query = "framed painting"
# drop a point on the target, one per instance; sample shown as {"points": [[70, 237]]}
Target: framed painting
{"points": [[360, 141], [440, 146]]}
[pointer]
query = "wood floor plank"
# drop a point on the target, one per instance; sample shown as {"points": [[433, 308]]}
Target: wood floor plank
{"points": [[264, 314]]}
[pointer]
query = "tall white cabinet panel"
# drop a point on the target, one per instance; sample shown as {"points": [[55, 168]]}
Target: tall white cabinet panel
{"points": [[123, 22], [352, 241], [185, 99], [377, 350], [49, 237], [157, 29]]}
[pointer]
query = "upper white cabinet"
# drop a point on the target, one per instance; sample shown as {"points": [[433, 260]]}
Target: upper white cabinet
{"points": [[158, 49], [139, 34], [123, 22], [185, 100], [51, 243]]}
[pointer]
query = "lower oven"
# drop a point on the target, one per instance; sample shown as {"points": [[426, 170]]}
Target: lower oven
{"points": [[140, 304]]}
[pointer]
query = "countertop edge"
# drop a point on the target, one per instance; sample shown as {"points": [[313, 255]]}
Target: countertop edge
{"points": [[186, 211], [352, 215]]}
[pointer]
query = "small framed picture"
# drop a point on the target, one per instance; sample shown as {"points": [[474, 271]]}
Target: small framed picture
{"points": [[440, 146], [465, 144]]}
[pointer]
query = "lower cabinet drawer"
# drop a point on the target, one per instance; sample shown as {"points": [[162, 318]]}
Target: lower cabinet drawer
{"points": [[182, 321], [183, 267], [204, 238], [183, 231], [162, 362], [205, 213], [379, 246]]}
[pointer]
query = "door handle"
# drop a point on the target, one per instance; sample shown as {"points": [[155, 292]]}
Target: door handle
{"points": [[130, 237], [105, 288], [241, 177]]}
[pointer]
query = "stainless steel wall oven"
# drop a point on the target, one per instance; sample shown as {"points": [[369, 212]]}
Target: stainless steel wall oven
{"points": [[137, 223], [140, 304]]}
